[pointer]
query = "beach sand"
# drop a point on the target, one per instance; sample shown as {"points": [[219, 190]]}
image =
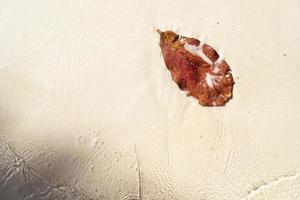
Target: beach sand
{"points": [[88, 109]]}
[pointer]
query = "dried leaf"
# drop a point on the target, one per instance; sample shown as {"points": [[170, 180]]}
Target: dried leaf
{"points": [[197, 68]]}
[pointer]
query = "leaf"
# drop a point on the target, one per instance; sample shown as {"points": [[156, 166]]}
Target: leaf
{"points": [[197, 68]]}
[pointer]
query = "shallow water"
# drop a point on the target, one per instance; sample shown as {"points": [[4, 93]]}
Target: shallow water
{"points": [[88, 109]]}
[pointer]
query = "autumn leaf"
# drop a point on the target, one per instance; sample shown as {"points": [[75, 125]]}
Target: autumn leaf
{"points": [[197, 68]]}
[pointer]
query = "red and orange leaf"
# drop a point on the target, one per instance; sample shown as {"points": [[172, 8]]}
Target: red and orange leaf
{"points": [[197, 68]]}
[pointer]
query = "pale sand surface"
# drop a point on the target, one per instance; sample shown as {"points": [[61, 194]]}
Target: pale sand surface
{"points": [[88, 109]]}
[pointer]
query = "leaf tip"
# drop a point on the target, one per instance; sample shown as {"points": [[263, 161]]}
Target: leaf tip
{"points": [[159, 31]]}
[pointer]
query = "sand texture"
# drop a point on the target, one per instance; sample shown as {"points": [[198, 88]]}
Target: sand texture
{"points": [[88, 109]]}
